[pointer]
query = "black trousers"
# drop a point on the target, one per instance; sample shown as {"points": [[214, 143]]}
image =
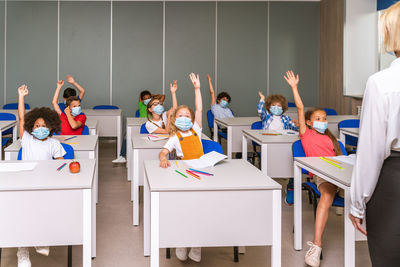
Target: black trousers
{"points": [[383, 216]]}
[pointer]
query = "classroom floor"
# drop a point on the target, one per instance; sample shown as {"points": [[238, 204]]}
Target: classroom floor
{"points": [[119, 244]]}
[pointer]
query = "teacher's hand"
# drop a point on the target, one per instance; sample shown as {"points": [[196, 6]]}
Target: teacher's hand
{"points": [[357, 224]]}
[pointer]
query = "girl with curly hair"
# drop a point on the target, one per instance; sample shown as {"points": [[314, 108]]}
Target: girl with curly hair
{"points": [[36, 129]]}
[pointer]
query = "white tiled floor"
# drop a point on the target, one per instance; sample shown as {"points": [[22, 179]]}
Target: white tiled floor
{"points": [[120, 244]]}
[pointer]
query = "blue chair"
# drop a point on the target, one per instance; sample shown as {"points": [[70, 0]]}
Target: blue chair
{"points": [[105, 107], [209, 146], [15, 106], [291, 105], [330, 112], [210, 120], [62, 106], [256, 126], [298, 151], [85, 130], [143, 129], [354, 123], [137, 114], [7, 117], [68, 148]]}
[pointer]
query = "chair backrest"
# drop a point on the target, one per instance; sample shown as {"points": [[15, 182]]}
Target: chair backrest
{"points": [[137, 114], [330, 111], [7, 116], [85, 130], [257, 125], [291, 105], [68, 148], [209, 146], [105, 107], [210, 119], [353, 123], [15, 106], [143, 129]]}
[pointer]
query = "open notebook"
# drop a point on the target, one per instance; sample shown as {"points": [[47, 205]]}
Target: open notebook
{"points": [[207, 160], [17, 166]]}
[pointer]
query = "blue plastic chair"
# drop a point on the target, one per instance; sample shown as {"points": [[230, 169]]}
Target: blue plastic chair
{"points": [[105, 107], [291, 105], [68, 148], [85, 130], [137, 114], [15, 106], [7, 117], [62, 106], [209, 145], [143, 129], [330, 112], [354, 123], [210, 120], [298, 151]]}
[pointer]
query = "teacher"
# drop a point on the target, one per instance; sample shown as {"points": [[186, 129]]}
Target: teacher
{"points": [[375, 186]]}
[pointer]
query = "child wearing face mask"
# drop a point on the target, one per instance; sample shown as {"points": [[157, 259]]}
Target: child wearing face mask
{"points": [[36, 129], [317, 141], [220, 107], [272, 113], [72, 119], [157, 116], [144, 99], [185, 138], [68, 92]]}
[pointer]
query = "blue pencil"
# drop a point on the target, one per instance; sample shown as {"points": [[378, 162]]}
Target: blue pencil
{"points": [[205, 173], [69, 138]]}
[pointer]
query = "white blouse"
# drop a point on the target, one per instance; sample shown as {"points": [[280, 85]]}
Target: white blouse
{"points": [[379, 134]]}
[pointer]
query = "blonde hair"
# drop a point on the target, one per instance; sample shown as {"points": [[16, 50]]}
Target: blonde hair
{"points": [[172, 128], [390, 28]]}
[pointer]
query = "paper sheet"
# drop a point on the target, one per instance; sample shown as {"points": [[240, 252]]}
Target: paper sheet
{"points": [[207, 160], [17, 166], [346, 159]]}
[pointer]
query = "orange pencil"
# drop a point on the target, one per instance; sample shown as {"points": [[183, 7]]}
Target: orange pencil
{"points": [[338, 162], [192, 174]]}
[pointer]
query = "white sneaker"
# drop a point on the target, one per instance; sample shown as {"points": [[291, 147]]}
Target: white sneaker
{"points": [[120, 159], [23, 257], [195, 254], [339, 211], [313, 255], [181, 253], [43, 250]]}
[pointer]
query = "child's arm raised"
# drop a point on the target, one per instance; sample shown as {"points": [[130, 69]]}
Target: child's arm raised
{"points": [[163, 156], [22, 92], [262, 113], [293, 81], [197, 98], [212, 93], [56, 107], [74, 124], [72, 81], [173, 87]]}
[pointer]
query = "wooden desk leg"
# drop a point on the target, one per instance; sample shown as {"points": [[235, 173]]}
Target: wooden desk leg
{"points": [[276, 254], [155, 229], [349, 233], [297, 208]]}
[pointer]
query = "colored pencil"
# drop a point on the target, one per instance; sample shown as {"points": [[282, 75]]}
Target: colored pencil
{"points": [[273, 134], [176, 163], [338, 162], [62, 166], [197, 171], [181, 173], [153, 135], [193, 174], [69, 138], [326, 160]]}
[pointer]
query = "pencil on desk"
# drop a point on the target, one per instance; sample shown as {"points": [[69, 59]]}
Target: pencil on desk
{"points": [[338, 162], [197, 171], [62, 166], [273, 134], [181, 174], [176, 163], [327, 161], [192, 174], [69, 138]]}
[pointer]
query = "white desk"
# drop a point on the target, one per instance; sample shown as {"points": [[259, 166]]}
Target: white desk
{"points": [[132, 127], [333, 122], [348, 131], [93, 126], [109, 123], [338, 177], [276, 152], [234, 128], [142, 149], [228, 209], [5, 125], [60, 207], [85, 147]]}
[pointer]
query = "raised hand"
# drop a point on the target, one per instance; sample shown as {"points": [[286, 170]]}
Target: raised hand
{"points": [[173, 87], [291, 79], [208, 78], [60, 83], [67, 111], [262, 97], [70, 79], [23, 90], [195, 80]]}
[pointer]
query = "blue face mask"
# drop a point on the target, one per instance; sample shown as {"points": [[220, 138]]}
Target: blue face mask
{"points": [[76, 111], [184, 123], [159, 109], [224, 103], [276, 110], [146, 101], [41, 133], [320, 126]]}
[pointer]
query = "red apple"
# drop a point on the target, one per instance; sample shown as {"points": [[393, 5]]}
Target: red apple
{"points": [[74, 167]]}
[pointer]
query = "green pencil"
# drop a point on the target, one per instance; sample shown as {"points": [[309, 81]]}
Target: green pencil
{"points": [[181, 173]]}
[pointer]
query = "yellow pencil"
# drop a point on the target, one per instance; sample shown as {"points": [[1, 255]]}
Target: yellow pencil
{"points": [[338, 162], [176, 163], [337, 166]]}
